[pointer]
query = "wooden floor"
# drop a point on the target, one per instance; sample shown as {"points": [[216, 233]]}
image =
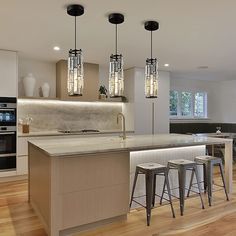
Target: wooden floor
{"points": [[18, 218]]}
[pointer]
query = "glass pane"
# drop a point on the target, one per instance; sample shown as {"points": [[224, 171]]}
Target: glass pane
{"points": [[199, 104], [186, 104], [173, 103]]}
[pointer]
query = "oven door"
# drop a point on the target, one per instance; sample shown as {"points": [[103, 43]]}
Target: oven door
{"points": [[7, 143], [8, 162], [7, 151], [7, 117]]}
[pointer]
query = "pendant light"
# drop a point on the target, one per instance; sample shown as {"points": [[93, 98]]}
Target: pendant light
{"points": [[75, 80], [116, 73], [151, 68]]}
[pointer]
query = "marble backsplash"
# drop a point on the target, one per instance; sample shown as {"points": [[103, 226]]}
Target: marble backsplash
{"points": [[65, 115]]}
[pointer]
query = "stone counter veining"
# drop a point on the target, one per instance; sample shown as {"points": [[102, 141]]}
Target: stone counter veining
{"points": [[93, 145]]}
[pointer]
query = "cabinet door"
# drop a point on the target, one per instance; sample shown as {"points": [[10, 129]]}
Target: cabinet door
{"points": [[22, 146], [22, 165], [8, 73]]}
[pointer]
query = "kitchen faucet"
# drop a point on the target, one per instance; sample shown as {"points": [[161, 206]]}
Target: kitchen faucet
{"points": [[123, 124]]}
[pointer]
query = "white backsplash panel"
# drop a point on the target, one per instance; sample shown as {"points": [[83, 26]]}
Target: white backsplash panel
{"points": [[67, 115]]}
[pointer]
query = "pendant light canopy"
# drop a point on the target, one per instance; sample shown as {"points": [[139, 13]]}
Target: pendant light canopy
{"points": [[151, 68], [116, 73], [75, 80]]}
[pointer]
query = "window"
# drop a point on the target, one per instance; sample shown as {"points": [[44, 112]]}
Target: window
{"points": [[184, 104], [173, 103]]}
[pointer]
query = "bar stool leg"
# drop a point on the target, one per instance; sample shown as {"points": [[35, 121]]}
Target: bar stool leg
{"points": [[149, 195], [182, 179], [154, 191], [191, 183], [205, 178], [198, 184], [223, 180], [209, 169], [169, 194], [134, 185], [164, 185]]}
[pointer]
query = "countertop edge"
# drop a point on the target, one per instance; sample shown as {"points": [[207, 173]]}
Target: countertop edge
{"points": [[57, 133], [212, 141]]}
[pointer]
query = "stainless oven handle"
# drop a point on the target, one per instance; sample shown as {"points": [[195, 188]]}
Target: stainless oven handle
{"points": [[7, 109], [8, 155], [4, 133]]}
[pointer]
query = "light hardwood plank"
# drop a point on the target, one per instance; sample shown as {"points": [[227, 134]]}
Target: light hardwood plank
{"points": [[18, 218]]}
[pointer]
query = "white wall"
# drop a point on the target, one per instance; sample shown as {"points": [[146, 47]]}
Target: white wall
{"points": [[42, 71], [8, 73], [139, 108], [211, 88], [227, 101]]}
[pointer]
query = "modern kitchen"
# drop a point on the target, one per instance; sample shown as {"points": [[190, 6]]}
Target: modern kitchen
{"points": [[117, 118]]}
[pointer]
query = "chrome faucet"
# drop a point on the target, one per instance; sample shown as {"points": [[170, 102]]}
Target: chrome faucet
{"points": [[123, 124]]}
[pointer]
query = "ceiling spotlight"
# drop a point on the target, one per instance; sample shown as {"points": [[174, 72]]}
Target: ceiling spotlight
{"points": [[166, 65], [56, 48]]}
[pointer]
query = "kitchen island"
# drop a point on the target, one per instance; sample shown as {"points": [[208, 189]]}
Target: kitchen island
{"points": [[77, 184]]}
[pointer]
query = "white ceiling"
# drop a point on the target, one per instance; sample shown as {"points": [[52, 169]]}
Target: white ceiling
{"points": [[192, 33]]}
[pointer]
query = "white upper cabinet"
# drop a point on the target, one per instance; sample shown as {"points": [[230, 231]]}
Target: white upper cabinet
{"points": [[8, 73]]}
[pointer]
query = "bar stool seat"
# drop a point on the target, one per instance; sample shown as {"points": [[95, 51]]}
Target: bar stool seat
{"points": [[208, 162], [150, 166], [150, 170], [182, 166]]}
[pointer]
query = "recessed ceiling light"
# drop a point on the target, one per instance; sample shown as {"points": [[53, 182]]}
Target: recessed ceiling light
{"points": [[56, 48], [166, 65]]}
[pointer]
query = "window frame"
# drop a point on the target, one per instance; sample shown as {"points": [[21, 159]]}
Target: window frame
{"points": [[192, 116]]}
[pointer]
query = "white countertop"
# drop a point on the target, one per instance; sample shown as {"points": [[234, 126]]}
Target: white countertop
{"points": [[92, 145], [57, 133], [217, 135]]}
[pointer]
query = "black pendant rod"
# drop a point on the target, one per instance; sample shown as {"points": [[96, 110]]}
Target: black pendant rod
{"points": [[116, 39], [151, 26], [75, 10], [75, 34], [116, 18], [151, 44]]}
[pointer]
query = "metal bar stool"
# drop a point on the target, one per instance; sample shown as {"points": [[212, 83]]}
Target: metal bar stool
{"points": [[208, 162], [151, 170], [182, 166]]}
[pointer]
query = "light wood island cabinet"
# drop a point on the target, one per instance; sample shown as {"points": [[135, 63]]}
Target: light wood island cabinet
{"points": [[79, 184], [91, 82]]}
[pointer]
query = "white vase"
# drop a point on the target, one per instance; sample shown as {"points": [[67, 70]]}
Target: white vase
{"points": [[29, 85], [45, 89]]}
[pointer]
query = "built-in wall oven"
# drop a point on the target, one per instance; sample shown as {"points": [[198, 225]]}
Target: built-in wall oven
{"points": [[8, 117]]}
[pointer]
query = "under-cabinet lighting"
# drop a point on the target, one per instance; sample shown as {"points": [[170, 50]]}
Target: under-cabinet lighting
{"points": [[58, 102]]}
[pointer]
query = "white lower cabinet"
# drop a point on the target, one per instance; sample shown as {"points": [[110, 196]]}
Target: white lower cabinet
{"points": [[22, 165]]}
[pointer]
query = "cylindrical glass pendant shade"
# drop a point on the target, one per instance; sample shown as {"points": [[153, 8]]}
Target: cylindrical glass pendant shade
{"points": [[151, 78], [116, 76], [75, 82]]}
